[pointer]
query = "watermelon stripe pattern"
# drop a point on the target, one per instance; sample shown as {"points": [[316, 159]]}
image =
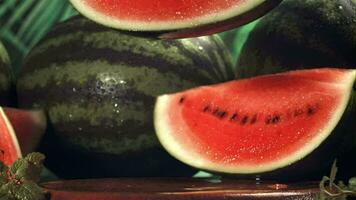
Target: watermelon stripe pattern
{"points": [[6, 79], [170, 60], [301, 35], [124, 120], [80, 72], [99, 85], [4, 69]]}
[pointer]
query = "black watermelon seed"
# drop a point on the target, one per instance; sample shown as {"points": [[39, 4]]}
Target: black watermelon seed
{"points": [[244, 120], [311, 110], [2, 154], [254, 119], [275, 119], [221, 114], [181, 100], [233, 117], [206, 109]]}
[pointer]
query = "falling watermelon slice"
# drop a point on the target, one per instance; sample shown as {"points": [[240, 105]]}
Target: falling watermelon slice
{"points": [[174, 18], [259, 124], [20, 132]]}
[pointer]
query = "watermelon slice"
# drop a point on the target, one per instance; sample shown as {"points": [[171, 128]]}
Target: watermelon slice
{"points": [[259, 124], [175, 18], [21, 131]]}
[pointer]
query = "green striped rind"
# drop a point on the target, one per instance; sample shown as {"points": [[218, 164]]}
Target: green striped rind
{"points": [[301, 34], [95, 127], [119, 43], [217, 55], [170, 53], [6, 78], [145, 79], [4, 69], [169, 56], [91, 95], [4, 82], [99, 85], [4, 57]]}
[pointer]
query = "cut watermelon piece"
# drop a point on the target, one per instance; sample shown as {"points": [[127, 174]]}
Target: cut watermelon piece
{"points": [[255, 125], [177, 18], [9, 146], [21, 131]]}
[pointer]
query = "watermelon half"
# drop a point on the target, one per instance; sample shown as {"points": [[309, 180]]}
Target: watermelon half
{"points": [[20, 132], [260, 124], [175, 18]]}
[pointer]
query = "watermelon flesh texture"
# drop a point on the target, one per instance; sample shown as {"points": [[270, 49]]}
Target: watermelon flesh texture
{"points": [[21, 132], [253, 125], [29, 126], [202, 16], [9, 146], [174, 10]]}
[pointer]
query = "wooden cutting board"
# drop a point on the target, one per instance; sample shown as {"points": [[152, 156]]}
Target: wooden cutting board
{"points": [[177, 189]]}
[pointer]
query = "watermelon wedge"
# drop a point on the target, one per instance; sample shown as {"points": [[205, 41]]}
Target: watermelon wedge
{"points": [[260, 124], [20, 132], [174, 18]]}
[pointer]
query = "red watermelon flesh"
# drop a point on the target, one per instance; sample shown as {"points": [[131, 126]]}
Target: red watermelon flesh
{"points": [[9, 146], [253, 125], [173, 9], [20, 132], [158, 15]]}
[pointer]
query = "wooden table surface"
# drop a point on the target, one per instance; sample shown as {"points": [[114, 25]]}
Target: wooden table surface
{"points": [[178, 189]]}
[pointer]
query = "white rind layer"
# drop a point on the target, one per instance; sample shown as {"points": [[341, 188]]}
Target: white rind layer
{"points": [[185, 152], [92, 14], [12, 133]]}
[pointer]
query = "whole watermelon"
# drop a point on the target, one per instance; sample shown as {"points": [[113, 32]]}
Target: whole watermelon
{"points": [[301, 34], [98, 87], [7, 89]]}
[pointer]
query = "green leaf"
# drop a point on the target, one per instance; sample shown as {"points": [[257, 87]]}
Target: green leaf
{"points": [[3, 178], [333, 173], [4, 192], [36, 166], [21, 9], [28, 191], [5, 196], [3, 173], [334, 191], [19, 169], [24, 22], [28, 168], [2, 166], [352, 184], [7, 5], [7, 190], [36, 159], [19, 181]]}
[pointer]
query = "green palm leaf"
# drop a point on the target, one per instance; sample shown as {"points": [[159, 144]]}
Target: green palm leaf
{"points": [[24, 22]]}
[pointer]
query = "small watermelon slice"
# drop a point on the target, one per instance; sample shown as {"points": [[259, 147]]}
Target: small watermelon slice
{"points": [[259, 124], [20, 132], [175, 18]]}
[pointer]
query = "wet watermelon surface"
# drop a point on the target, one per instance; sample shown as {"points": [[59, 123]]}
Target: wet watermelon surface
{"points": [[266, 122], [169, 9]]}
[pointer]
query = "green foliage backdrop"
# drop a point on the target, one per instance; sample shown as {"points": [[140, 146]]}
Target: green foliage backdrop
{"points": [[24, 22]]}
